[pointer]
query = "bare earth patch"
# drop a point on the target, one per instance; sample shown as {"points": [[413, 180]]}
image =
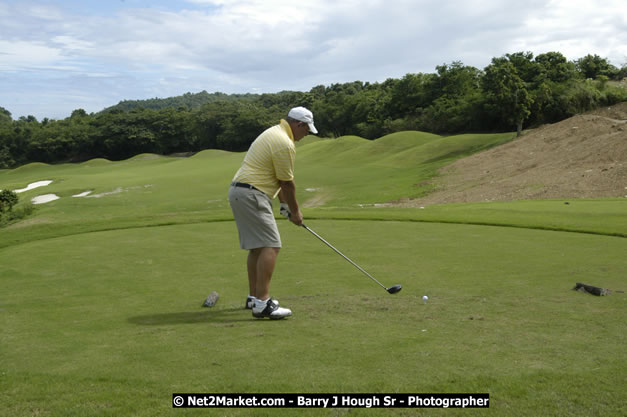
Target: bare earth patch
{"points": [[581, 157], [319, 199]]}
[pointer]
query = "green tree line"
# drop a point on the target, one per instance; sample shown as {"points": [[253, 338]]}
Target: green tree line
{"points": [[515, 91]]}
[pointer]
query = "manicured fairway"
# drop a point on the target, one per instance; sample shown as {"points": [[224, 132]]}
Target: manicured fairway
{"points": [[110, 323]]}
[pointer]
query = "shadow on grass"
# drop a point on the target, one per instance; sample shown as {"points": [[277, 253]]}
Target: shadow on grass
{"points": [[230, 315]]}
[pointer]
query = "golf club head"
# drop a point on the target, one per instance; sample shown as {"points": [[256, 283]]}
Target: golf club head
{"points": [[394, 289]]}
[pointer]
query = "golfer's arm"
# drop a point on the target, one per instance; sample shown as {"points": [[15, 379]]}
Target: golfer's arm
{"points": [[288, 195]]}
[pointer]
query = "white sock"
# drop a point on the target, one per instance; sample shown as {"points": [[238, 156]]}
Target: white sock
{"points": [[260, 304]]}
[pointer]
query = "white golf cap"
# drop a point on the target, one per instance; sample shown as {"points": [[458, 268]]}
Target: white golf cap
{"points": [[303, 115]]}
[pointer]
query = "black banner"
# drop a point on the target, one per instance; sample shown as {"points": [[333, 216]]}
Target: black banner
{"points": [[330, 400]]}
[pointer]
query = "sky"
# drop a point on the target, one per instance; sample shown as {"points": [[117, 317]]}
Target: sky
{"points": [[59, 56]]}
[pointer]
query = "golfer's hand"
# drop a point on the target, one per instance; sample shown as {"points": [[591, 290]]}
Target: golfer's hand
{"points": [[297, 218], [285, 210]]}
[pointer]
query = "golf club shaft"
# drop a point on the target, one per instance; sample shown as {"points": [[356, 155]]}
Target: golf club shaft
{"points": [[343, 256]]}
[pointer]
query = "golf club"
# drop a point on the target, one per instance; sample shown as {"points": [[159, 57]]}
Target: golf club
{"points": [[392, 290]]}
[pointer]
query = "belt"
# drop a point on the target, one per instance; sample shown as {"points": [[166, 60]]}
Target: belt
{"points": [[244, 185]]}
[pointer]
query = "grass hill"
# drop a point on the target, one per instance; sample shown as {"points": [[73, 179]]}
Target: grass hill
{"points": [[348, 172]]}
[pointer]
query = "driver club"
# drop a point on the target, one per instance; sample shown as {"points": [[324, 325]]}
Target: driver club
{"points": [[392, 290]]}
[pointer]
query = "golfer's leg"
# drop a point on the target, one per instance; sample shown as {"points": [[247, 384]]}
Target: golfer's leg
{"points": [[266, 260], [251, 264]]}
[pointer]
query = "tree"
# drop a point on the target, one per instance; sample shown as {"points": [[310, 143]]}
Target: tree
{"points": [[457, 79], [526, 68], [78, 114], [334, 113], [591, 66], [6, 142], [411, 94], [242, 126], [506, 93], [121, 135], [457, 88], [5, 115], [554, 66], [7, 200]]}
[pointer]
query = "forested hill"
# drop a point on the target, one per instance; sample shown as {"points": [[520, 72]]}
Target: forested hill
{"points": [[515, 91], [188, 101]]}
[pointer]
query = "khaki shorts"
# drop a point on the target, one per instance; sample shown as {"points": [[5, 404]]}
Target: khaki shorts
{"points": [[254, 217]]}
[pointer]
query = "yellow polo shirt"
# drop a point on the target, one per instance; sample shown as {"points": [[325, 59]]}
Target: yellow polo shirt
{"points": [[269, 159]]}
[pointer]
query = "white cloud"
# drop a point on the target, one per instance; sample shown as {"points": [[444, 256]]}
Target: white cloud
{"points": [[173, 47], [577, 28], [25, 55], [71, 43]]}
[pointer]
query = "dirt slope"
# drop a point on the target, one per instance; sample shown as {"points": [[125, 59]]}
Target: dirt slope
{"points": [[581, 157]]}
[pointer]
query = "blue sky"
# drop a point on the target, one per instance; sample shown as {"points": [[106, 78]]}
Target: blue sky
{"points": [[58, 56]]}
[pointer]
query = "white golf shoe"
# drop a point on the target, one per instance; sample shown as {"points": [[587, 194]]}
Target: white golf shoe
{"points": [[270, 309]]}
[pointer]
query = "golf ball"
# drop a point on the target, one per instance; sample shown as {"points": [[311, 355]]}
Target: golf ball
{"points": [[425, 298]]}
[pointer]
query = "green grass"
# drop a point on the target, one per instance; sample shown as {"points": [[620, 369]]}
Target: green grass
{"points": [[110, 323], [595, 216], [100, 297]]}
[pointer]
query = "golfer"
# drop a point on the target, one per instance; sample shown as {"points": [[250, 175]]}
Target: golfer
{"points": [[267, 172]]}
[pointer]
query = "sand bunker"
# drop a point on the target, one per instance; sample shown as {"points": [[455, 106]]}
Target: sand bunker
{"points": [[87, 194], [46, 198], [34, 185], [116, 191]]}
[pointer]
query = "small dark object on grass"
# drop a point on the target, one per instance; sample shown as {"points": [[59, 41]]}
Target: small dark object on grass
{"points": [[394, 289], [590, 289], [211, 300]]}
